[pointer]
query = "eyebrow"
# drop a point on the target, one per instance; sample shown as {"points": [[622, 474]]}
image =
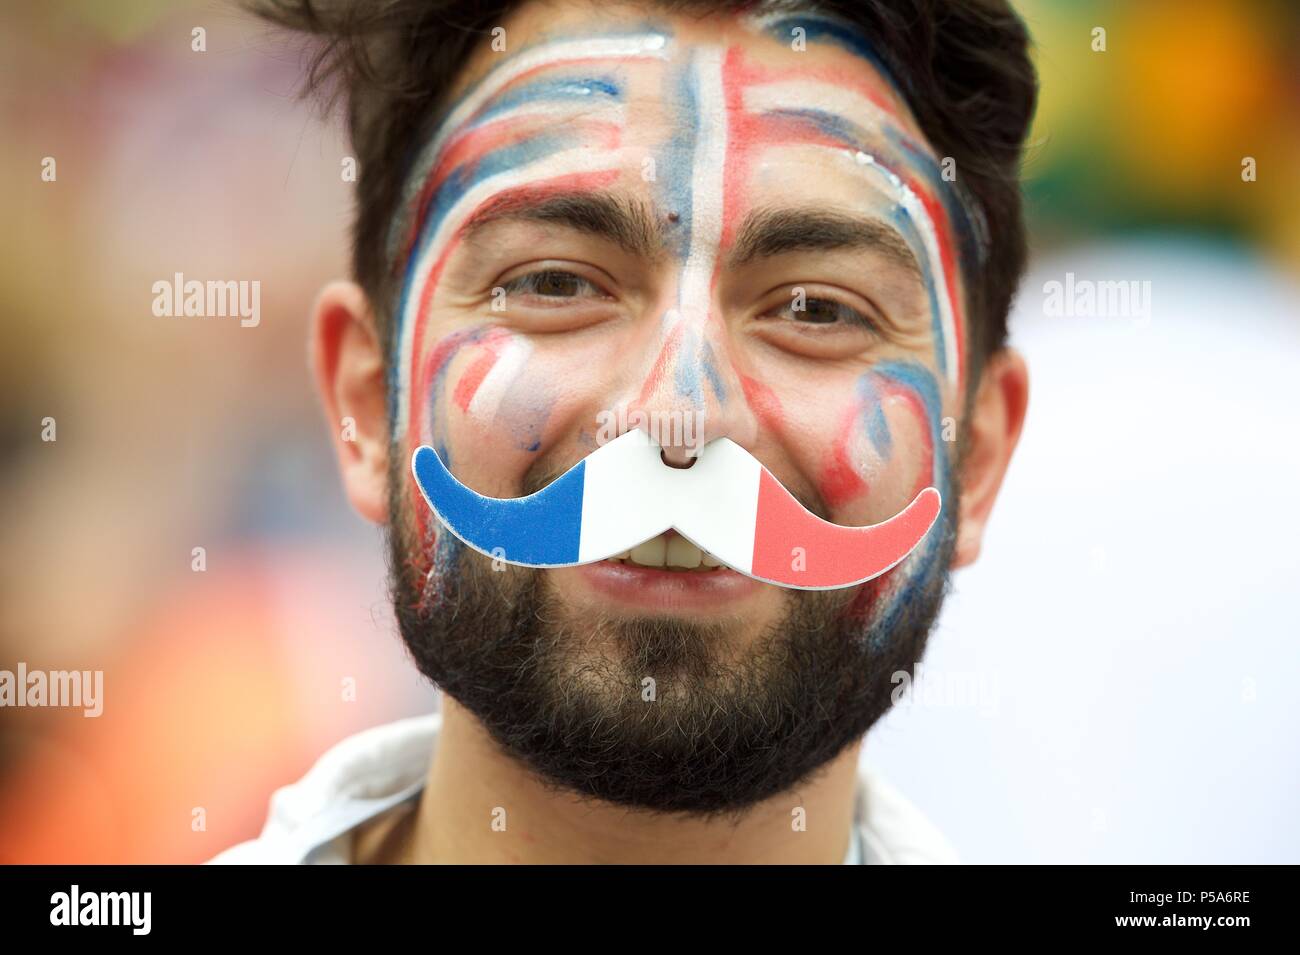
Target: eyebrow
{"points": [[771, 232], [618, 219], [627, 223]]}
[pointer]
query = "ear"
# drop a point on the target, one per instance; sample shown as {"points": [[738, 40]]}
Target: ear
{"points": [[993, 430], [348, 362]]}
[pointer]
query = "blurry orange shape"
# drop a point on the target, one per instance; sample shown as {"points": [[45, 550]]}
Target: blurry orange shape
{"points": [[1193, 81], [204, 712]]}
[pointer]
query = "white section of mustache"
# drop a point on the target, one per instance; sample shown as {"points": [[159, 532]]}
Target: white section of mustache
{"points": [[631, 496]]}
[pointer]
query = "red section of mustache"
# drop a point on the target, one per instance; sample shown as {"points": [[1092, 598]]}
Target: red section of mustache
{"points": [[829, 555]]}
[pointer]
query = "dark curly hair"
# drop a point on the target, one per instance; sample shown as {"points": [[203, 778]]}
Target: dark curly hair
{"points": [[962, 65]]}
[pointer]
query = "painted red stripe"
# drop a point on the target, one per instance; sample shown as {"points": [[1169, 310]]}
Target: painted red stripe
{"points": [[476, 143], [840, 480], [469, 382], [943, 231], [660, 367]]}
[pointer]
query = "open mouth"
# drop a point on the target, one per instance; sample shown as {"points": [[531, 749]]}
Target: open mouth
{"points": [[669, 551]]}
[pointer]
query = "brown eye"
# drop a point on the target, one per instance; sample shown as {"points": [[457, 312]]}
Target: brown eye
{"points": [[552, 283], [824, 311]]}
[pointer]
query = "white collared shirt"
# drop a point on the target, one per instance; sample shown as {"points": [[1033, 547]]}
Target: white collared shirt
{"points": [[374, 771]]}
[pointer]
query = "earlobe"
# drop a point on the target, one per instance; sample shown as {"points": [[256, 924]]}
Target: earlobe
{"points": [[994, 422], [348, 363]]}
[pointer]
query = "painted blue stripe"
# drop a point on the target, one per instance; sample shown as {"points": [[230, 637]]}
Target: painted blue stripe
{"points": [[824, 28], [915, 376], [541, 530], [872, 416], [675, 160], [550, 89]]}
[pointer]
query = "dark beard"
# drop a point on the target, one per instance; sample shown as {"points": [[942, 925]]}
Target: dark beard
{"points": [[566, 697]]}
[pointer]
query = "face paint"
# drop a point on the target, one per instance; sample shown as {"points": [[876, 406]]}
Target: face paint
{"points": [[727, 504], [553, 120], [880, 603]]}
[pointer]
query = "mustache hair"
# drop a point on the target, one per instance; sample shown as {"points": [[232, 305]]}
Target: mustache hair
{"points": [[623, 494]]}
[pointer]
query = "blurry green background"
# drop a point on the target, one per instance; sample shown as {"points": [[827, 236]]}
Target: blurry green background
{"points": [[177, 434]]}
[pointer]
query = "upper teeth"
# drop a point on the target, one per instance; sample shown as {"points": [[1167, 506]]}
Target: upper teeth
{"points": [[665, 551]]}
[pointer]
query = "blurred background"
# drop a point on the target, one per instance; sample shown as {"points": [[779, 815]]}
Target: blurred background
{"points": [[1113, 681]]}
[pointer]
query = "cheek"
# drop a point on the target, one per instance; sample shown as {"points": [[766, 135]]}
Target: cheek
{"points": [[765, 404], [877, 450], [431, 371], [488, 412], [505, 399], [905, 421]]}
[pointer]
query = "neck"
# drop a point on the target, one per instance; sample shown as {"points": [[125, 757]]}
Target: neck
{"points": [[481, 806]]}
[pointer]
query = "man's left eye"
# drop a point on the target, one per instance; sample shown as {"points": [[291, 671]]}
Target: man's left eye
{"points": [[823, 311], [552, 283]]}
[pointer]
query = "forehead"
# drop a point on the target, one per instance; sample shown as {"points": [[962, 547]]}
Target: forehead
{"points": [[663, 96], [547, 38]]}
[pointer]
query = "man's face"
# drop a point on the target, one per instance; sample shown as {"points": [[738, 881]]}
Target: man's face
{"points": [[725, 226]]}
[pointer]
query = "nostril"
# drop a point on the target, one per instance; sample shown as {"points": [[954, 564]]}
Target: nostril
{"points": [[687, 461]]}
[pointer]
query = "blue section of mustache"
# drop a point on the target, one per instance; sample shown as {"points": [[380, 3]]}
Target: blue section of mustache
{"points": [[540, 530]]}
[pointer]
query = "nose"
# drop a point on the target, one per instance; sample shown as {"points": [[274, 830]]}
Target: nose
{"points": [[691, 392]]}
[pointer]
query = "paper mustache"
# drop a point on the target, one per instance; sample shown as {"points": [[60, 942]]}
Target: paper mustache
{"points": [[623, 494]]}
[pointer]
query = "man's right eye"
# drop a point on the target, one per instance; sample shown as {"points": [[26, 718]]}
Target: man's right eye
{"points": [[553, 283]]}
